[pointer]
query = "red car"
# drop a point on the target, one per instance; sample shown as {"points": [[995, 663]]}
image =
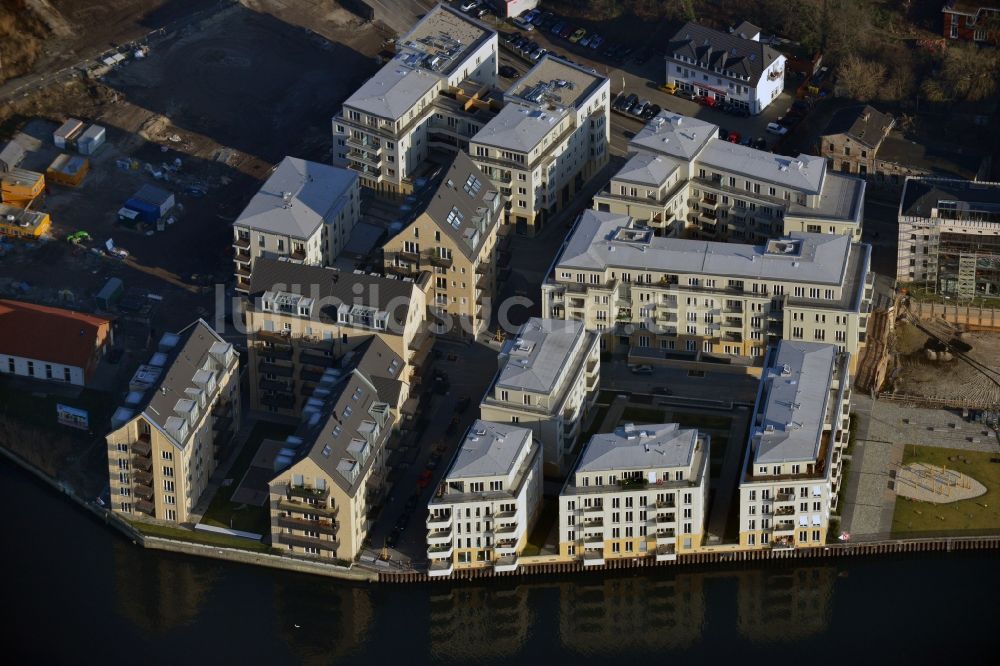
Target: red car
{"points": [[734, 137], [567, 31]]}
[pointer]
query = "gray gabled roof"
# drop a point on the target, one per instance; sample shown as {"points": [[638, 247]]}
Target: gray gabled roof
{"points": [[804, 173], [863, 124], [639, 447], [489, 449], [297, 198], [647, 169], [330, 287], [731, 53], [466, 205], [336, 430], [675, 135], [11, 155], [180, 357], [542, 350], [800, 379], [393, 90]]}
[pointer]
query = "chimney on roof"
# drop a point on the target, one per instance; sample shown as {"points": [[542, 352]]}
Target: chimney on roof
{"points": [[286, 197]]}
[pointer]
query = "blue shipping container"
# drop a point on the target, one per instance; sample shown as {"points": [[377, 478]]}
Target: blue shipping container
{"points": [[148, 212]]}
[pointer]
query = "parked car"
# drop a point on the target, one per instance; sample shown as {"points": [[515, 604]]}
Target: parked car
{"points": [[669, 88], [775, 128], [643, 369], [630, 101], [723, 133], [537, 54], [788, 121], [508, 72], [734, 137], [578, 35], [802, 105], [651, 111], [638, 109], [529, 16], [469, 4], [522, 24], [509, 37], [642, 56], [596, 41], [480, 12], [558, 27], [566, 31], [685, 94], [760, 143], [747, 141]]}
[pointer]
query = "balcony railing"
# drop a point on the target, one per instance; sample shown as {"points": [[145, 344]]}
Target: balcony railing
{"points": [[293, 506], [142, 462], [308, 542], [322, 526], [308, 492]]}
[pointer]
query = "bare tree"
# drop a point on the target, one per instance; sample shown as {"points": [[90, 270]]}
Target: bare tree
{"points": [[862, 79], [966, 73]]}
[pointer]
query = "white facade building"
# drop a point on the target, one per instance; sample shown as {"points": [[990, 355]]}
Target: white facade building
{"points": [[304, 211], [487, 502], [725, 67], [679, 298], [641, 491], [682, 180], [547, 141], [548, 382], [384, 129], [792, 471]]}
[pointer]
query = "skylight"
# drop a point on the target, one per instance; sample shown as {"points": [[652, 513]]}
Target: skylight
{"points": [[455, 218], [472, 185]]}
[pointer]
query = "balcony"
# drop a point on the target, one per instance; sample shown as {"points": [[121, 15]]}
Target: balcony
{"points": [[146, 507], [317, 359], [439, 521], [142, 446], [282, 353], [597, 524], [241, 242], [785, 511], [312, 376], [783, 543], [293, 506], [439, 536], [322, 526], [308, 492], [142, 462], [786, 528], [308, 542], [363, 143], [595, 508], [666, 518], [275, 385], [664, 537], [661, 504], [440, 552], [666, 553], [506, 563], [279, 401], [145, 478], [506, 547], [439, 261], [440, 568], [508, 529], [141, 491], [784, 497], [275, 369], [365, 157], [594, 540], [593, 559]]}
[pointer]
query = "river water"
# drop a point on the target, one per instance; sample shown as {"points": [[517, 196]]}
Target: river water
{"points": [[75, 592]]}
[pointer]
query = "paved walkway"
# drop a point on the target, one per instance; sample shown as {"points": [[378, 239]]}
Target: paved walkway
{"points": [[868, 501], [728, 481]]}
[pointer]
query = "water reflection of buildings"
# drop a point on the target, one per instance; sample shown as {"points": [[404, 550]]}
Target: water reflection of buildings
{"points": [[159, 593], [322, 621], [479, 622], [641, 612], [784, 605]]}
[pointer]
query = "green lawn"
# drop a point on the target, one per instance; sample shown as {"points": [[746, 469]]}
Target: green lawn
{"points": [[222, 512], [183, 534], [979, 515]]}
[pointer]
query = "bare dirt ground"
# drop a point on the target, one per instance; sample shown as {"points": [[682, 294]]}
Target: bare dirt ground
{"points": [[915, 374]]}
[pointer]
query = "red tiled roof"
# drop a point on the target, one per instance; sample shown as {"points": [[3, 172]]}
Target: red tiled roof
{"points": [[48, 334]]}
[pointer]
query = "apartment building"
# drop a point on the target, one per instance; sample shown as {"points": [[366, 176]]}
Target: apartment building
{"points": [[682, 180], [301, 320], [51, 344], [971, 21], [179, 413], [949, 237], [791, 474], [725, 67], [453, 237], [305, 211], [641, 491], [683, 299], [548, 381], [487, 503], [435, 91], [549, 139], [331, 473]]}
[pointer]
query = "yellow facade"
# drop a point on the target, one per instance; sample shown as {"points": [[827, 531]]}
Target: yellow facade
{"points": [[17, 222], [19, 187]]}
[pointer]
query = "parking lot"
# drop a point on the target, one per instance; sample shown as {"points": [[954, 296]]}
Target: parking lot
{"points": [[634, 67]]}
